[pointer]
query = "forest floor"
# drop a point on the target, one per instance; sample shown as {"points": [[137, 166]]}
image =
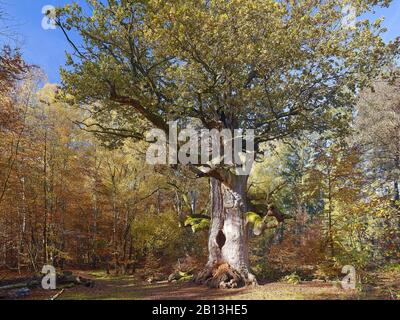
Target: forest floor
{"points": [[386, 285]]}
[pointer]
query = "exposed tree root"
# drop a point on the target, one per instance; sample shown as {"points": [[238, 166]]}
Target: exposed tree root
{"points": [[223, 276]]}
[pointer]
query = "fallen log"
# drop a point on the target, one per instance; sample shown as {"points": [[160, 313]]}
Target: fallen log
{"points": [[28, 284], [14, 286], [66, 279]]}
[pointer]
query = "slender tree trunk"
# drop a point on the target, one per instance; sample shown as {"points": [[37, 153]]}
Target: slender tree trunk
{"points": [[228, 260], [396, 182], [45, 205], [115, 209], [330, 210], [23, 222], [94, 229]]}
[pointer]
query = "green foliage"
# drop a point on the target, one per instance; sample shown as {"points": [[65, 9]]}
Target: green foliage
{"points": [[259, 223], [180, 276], [292, 278], [265, 271], [175, 72], [292, 66], [185, 278], [197, 224], [157, 234], [393, 267], [253, 217]]}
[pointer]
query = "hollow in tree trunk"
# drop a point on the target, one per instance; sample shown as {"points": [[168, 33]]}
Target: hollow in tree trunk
{"points": [[228, 260]]}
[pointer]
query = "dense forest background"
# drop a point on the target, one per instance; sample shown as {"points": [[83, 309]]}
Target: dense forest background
{"points": [[70, 199], [77, 198]]}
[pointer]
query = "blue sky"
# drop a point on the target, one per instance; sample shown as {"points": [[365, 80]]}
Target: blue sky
{"points": [[46, 48]]}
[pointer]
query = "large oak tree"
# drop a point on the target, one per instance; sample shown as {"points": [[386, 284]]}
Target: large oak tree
{"points": [[281, 68]]}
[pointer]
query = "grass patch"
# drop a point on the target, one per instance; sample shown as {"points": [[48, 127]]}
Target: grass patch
{"points": [[394, 267]]}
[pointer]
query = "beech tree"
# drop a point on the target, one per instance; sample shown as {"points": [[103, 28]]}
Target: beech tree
{"points": [[378, 132], [282, 68]]}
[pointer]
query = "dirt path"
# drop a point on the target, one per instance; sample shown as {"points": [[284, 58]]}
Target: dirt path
{"points": [[127, 288]]}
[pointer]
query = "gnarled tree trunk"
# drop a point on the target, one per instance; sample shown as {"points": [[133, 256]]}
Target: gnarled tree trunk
{"points": [[228, 261]]}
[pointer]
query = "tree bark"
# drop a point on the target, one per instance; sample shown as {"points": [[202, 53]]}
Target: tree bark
{"points": [[228, 260]]}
